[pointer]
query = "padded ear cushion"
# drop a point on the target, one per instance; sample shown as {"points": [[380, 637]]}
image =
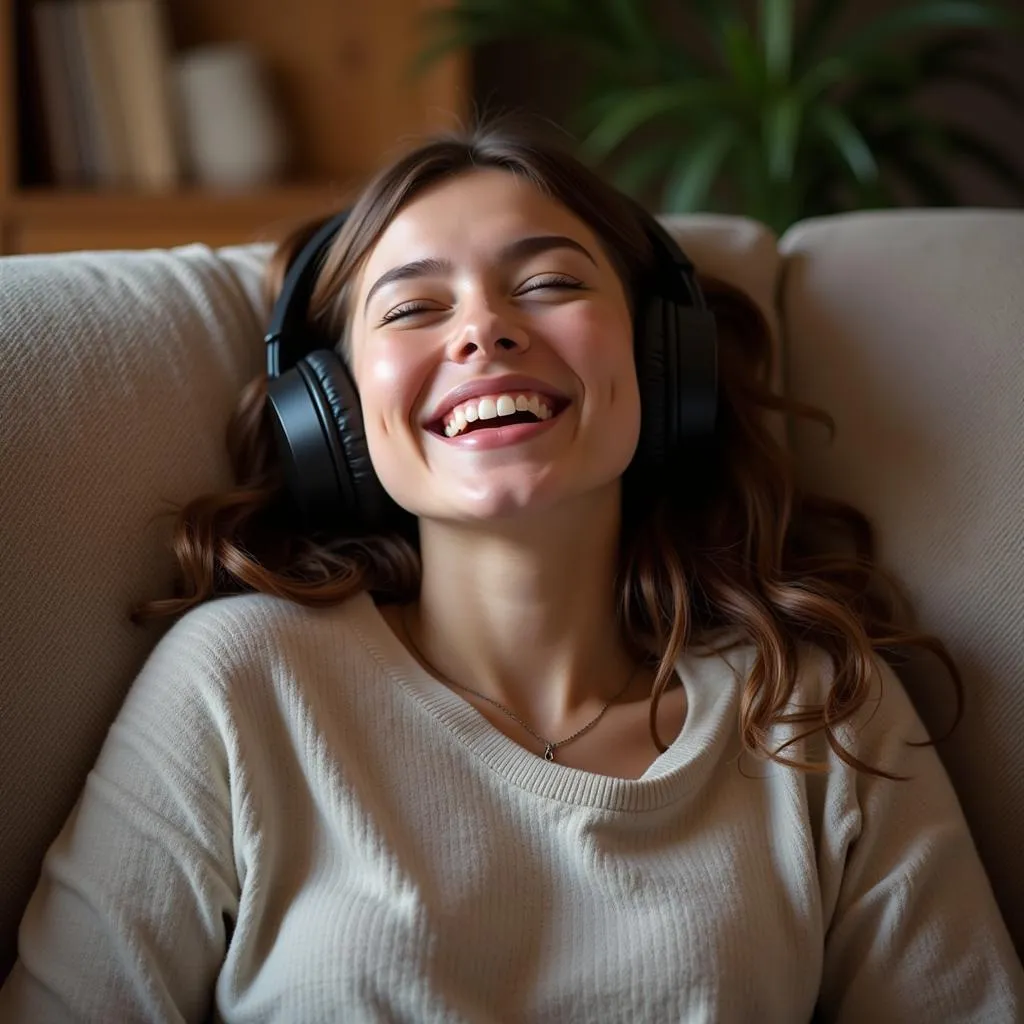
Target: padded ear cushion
{"points": [[676, 364], [652, 374], [691, 391], [309, 465], [336, 400]]}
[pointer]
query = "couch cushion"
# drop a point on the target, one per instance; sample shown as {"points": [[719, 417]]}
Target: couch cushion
{"points": [[908, 327], [120, 370]]}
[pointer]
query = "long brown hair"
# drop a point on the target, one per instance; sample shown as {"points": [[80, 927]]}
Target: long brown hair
{"points": [[731, 540]]}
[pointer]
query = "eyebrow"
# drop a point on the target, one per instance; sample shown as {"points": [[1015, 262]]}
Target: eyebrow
{"points": [[520, 249]]}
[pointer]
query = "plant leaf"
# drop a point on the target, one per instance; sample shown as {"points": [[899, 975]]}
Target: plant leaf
{"points": [[780, 132], [694, 173], [931, 186], [911, 149], [631, 108], [617, 26], [742, 56], [593, 30], [814, 29], [878, 194], [934, 14], [847, 140], [942, 143], [711, 17], [637, 170], [821, 77], [889, 78], [469, 23], [945, 63], [715, 15], [988, 81], [777, 37], [994, 161], [634, 23]]}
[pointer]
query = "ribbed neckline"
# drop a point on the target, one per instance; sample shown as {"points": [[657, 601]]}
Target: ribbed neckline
{"points": [[710, 690]]}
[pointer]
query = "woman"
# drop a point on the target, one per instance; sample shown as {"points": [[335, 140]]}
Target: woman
{"points": [[586, 718]]}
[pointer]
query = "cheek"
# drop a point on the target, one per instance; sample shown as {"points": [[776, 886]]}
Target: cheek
{"points": [[598, 331], [602, 354], [598, 345], [389, 382]]}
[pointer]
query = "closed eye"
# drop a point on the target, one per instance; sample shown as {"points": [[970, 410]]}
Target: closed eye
{"points": [[534, 284], [550, 281], [406, 309]]}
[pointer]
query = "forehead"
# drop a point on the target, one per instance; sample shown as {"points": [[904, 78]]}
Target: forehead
{"points": [[470, 217]]}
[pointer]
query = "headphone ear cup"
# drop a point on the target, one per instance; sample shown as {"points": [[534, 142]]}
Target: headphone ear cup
{"points": [[652, 374], [318, 424], [364, 500], [692, 383], [676, 357]]}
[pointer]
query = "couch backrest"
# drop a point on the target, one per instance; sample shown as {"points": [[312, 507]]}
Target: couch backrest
{"points": [[121, 370], [909, 328]]}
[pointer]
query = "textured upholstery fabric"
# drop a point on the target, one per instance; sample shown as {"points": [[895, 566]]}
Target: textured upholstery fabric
{"points": [[909, 329], [119, 371]]}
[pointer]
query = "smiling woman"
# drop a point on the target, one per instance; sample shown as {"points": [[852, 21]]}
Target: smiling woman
{"points": [[510, 298], [536, 687]]}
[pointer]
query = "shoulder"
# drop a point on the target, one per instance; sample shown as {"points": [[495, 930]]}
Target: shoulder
{"points": [[883, 721], [815, 679], [884, 725], [242, 633], [886, 701], [230, 671]]}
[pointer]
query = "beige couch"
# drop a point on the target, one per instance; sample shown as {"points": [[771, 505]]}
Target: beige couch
{"points": [[119, 369]]}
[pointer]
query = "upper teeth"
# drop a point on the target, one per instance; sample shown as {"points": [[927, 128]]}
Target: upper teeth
{"points": [[494, 406]]}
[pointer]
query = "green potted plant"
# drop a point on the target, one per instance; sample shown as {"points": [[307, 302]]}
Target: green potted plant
{"points": [[768, 115]]}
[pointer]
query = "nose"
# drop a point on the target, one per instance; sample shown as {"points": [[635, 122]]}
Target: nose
{"points": [[484, 333]]}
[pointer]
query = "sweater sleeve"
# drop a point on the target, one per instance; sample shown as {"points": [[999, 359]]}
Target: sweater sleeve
{"points": [[130, 916], [915, 931]]}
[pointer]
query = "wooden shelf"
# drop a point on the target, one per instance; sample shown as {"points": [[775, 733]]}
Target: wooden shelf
{"points": [[49, 220], [342, 76], [184, 202]]}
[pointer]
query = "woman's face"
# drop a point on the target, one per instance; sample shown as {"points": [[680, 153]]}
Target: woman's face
{"points": [[492, 345]]}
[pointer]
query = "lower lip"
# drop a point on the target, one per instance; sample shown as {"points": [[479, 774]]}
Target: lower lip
{"points": [[485, 438]]}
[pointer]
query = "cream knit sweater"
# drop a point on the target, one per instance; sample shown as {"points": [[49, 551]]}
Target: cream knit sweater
{"points": [[290, 822]]}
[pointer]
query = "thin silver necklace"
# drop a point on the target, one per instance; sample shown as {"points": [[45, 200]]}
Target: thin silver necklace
{"points": [[549, 746]]}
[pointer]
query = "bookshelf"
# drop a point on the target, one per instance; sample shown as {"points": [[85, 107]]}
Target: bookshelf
{"points": [[339, 76]]}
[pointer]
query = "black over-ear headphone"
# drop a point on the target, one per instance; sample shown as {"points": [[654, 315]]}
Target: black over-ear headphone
{"points": [[317, 419]]}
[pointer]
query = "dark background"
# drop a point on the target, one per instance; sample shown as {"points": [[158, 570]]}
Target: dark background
{"points": [[532, 80]]}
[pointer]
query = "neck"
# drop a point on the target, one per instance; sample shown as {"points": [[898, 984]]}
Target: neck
{"points": [[526, 614]]}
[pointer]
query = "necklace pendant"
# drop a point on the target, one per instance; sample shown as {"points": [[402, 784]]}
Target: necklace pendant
{"points": [[549, 752]]}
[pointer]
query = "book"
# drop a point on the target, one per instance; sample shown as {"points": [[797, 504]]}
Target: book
{"points": [[106, 112], [56, 89], [140, 50]]}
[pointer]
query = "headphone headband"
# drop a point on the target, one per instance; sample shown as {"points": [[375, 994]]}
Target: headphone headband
{"points": [[682, 268], [288, 328]]}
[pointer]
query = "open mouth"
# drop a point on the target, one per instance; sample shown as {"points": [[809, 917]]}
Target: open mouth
{"points": [[494, 411]]}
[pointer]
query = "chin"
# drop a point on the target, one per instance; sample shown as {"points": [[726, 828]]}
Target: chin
{"points": [[504, 505], [477, 493], [490, 505]]}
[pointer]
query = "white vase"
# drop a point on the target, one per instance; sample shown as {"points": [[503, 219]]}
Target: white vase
{"points": [[231, 133]]}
